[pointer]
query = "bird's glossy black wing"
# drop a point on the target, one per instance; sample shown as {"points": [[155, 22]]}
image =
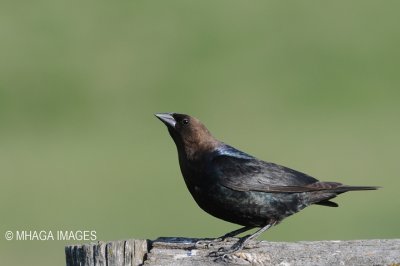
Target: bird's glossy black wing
{"points": [[240, 171]]}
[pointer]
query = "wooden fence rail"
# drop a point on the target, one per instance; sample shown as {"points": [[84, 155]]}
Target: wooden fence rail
{"points": [[185, 251]]}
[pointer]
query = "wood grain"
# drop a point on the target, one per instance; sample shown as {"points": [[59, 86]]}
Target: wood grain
{"points": [[187, 251]]}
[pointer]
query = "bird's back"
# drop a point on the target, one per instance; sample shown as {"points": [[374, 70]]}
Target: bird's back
{"points": [[241, 171]]}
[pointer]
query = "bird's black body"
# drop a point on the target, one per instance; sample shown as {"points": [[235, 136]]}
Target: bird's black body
{"points": [[239, 188], [224, 182]]}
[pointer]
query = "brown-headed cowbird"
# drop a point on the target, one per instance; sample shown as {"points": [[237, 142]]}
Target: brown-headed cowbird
{"points": [[239, 188]]}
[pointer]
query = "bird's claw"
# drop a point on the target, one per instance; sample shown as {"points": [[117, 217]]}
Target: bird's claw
{"points": [[216, 254], [204, 244], [208, 243], [222, 252]]}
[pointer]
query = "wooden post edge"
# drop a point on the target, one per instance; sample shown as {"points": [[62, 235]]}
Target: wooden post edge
{"points": [[188, 251]]}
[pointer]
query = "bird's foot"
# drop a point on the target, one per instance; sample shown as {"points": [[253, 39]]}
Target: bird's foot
{"points": [[208, 243], [220, 252], [226, 252]]}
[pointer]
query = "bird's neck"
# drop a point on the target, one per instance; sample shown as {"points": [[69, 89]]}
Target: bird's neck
{"points": [[195, 150]]}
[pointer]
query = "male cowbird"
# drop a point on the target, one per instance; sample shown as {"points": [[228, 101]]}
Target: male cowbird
{"points": [[239, 188]]}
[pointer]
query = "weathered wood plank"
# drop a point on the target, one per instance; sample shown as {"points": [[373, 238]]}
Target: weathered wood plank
{"points": [[185, 251], [181, 251], [124, 252], [99, 251]]}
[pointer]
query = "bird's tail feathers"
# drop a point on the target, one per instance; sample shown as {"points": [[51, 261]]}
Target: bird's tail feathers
{"points": [[327, 203], [337, 187], [345, 188], [331, 190]]}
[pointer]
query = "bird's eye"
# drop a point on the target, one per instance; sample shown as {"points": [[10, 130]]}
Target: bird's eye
{"points": [[185, 121]]}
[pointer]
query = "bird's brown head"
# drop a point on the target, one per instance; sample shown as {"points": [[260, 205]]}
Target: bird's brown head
{"points": [[189, 134]]}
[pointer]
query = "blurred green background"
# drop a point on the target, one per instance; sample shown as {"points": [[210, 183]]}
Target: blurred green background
{"points": [[310, 85]]}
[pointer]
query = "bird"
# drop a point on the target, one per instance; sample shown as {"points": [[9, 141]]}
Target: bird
{"points": [[236, 187]]}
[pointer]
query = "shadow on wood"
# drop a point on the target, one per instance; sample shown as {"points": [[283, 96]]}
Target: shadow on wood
{"points": [[187, 251]]}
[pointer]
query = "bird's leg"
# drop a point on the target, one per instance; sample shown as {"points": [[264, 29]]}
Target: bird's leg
{"points": [[208, 243], [242, 242], [234, 233]]}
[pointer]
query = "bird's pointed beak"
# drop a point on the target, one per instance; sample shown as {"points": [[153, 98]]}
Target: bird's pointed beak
{"points": [[167, 119]]}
